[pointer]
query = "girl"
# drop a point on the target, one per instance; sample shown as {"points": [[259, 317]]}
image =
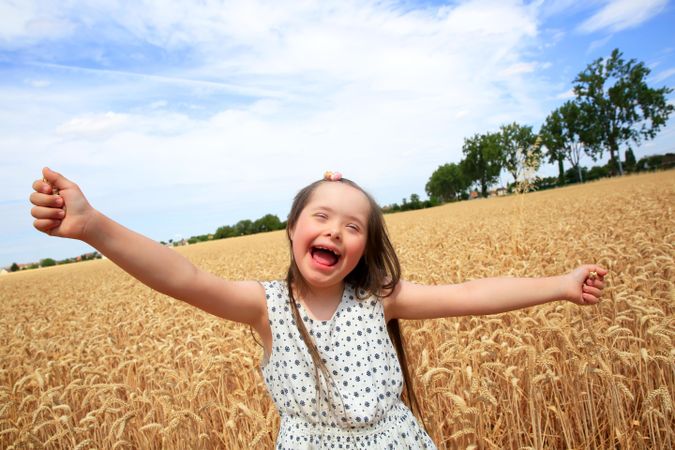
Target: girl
{"points": [[329, 363]]}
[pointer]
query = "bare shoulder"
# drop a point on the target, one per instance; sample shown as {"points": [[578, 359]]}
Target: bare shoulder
{"points": [[421, 301]]}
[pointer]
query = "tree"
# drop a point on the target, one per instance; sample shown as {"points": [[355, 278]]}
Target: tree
{"points": [[623, 108], [483, 159], [565, 130], [652, 162], [224, 232], [47, 262], [447, 182], [551, 134], [268, 222], [14, 268], [519, 149], [415, 202], [243, 227], [631, 162]]}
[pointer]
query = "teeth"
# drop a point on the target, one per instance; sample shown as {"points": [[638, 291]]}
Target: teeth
{"points": [[328, 249]]}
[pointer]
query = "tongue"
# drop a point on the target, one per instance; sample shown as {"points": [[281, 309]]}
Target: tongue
{"points": [[324, 257]]}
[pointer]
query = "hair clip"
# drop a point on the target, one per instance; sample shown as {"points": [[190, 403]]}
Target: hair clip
{"points": [[332, 176]]}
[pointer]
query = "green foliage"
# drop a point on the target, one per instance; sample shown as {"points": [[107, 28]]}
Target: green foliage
{"points": [[597, 172], [243, 227], [614, 93], [447, 183], [565, 134], [631, 163], [551, 134], [14, 268], [655, 162], [268, 222], [576, 175], [90, 256], [544, 183], [414, 203], [519, 149], [47, 262], [224, 232], [482, 159]]}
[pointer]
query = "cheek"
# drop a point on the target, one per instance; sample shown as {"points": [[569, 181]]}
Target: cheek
{"points": [[358, 249], [296, 248]]}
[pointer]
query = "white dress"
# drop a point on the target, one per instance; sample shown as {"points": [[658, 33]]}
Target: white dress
{"points": [[355, 347]]}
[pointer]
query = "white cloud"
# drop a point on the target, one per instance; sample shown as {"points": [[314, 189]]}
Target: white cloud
{"points": [[663, 75], [598, 43], [29, 21], [38, 83], [159, 104], [95, 125], [617, 15], [568, 94], [519, 68]]}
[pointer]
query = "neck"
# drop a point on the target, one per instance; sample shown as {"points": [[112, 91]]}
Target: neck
{"points": [[316, 293]]}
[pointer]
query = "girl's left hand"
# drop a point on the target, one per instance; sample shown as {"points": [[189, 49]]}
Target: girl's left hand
{"points": [[585, 284]]}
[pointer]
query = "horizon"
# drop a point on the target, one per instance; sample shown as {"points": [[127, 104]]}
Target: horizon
{"points": [[93, 251]]}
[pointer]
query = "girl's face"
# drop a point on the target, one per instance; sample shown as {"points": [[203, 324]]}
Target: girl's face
{"points": [[329, 237]]}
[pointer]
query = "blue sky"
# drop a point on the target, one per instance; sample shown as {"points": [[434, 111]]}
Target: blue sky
{"points": [[176, 117]]}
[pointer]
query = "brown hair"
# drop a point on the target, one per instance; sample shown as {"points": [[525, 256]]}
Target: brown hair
{"points": [[377, 273]]}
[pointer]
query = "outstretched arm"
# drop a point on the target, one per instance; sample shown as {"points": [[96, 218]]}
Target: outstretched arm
{"points": [[582, 286], [62, 210]]}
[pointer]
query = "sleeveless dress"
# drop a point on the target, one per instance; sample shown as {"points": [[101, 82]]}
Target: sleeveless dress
{"points": [[355, 347]]}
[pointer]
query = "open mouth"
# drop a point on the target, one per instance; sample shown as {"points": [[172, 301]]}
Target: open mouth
{"points": [[324, 256]]}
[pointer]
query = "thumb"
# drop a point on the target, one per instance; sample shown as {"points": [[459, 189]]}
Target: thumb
{"points": [[55, 179]]}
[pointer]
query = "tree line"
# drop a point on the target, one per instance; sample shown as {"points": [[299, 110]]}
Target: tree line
{"points": [[613, 108], [268, 222]]}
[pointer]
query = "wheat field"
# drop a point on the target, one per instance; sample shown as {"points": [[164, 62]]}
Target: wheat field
{"points": [[93, 359]]}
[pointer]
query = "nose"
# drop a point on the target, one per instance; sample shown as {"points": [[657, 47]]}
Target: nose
{"points": [[334, 233]]}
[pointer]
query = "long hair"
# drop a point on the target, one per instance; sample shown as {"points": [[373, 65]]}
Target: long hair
{"points": [[376, 274]]}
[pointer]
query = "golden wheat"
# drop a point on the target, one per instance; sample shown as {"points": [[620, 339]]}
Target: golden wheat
{"points": [[94, 359]]}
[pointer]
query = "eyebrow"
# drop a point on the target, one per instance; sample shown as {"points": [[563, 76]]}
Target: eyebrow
{"points": [[331, 210]]}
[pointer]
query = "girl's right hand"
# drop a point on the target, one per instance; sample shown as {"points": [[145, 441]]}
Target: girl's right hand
{"points": [[60, 207]]}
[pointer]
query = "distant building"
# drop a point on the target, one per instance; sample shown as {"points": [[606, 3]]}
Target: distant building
{"points": [[473, 195]]}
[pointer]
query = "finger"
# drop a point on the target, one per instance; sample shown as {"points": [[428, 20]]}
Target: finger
{"points": [[589, 299], [596, 283], [42, 212], [53, 201], [592, 290], [42, 186], [56, 179], [46, 225]]}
